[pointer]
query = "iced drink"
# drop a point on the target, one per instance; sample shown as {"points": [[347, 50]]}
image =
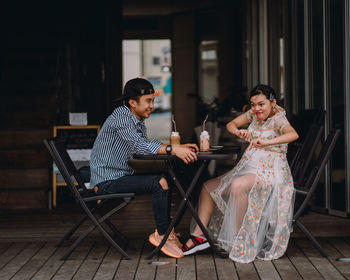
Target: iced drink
{"points": [[175, 138], [204, 145]]}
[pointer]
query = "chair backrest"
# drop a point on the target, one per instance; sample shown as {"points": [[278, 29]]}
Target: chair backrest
{"points": [[307, 150], [319, 117], [315, 173], [305, 131], [66, 167]]}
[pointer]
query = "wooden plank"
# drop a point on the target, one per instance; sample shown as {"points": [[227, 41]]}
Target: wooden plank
{"points": [[26, 120], [286, 269], [30, 72], [36, 262], [24, 178], [31, 56], [331, 226], [127, 268], [322, 264], [4, 246], [301, 262], [35, 157], [341, 245], [70, 266], [11, 252], [145, 270], [48, 270], [337, 248], [225, 268], [23, 199], [34, 90], [31, 85], [109, 265], [166, 271], [266, 270], [16, 139], [31, 103], [246, 271], [186, 268], [93, 260], [205, 265], [11, 268]]}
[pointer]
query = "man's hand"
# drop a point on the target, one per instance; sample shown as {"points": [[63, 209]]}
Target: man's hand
{"points": [[186, 152]]}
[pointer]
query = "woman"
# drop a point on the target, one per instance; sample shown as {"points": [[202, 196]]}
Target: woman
{"points": [[249, 210]]}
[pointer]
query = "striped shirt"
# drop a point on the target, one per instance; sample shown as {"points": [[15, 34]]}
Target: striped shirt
{"points": [[120, 137]]}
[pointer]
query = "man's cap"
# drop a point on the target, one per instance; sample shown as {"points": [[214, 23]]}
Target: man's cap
{"points": [[136, 87]]}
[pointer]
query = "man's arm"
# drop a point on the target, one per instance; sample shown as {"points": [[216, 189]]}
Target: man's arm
{"points": [[186, 152], [135, 140]]}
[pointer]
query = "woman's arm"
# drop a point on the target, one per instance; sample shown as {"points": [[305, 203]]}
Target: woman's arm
{"points": [[288, 135], [233, 126]]}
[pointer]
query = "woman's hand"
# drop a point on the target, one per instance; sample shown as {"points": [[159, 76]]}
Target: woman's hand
{"points": [[258, 143], [244, 134]]}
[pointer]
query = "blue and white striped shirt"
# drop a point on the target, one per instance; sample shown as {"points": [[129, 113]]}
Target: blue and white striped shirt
{"points": [[120, 137]]}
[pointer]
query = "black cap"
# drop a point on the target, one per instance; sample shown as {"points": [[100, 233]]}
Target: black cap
{"points": [[136, 87]]}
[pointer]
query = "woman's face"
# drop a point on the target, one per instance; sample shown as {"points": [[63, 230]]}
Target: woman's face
{"points": [[262, 107]]}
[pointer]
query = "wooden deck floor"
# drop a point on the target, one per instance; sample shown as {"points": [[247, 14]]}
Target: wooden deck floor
{"points": [[27, 251], [95, 259]]}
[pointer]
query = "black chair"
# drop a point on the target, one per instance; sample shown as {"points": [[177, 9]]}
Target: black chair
{"points": [[307, 189], [307, 132], [91, 203], [302, 159]]}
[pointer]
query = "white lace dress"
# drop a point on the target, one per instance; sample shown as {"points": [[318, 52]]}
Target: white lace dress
{"points": [[267, 208]]}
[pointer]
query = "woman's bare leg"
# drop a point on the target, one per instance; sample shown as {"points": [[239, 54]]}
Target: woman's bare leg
{"points": [[240, 189], [205, 210], [206, 207]]}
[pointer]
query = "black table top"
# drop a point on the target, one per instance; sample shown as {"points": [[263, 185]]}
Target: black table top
{"points": [[222, 154]]}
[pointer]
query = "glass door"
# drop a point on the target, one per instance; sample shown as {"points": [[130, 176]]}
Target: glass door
{"points": [[151, 59]]}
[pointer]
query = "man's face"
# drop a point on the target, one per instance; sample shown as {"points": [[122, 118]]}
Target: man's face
{"points": [[144, 107]]}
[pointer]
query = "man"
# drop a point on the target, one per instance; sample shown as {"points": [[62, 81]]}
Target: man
{"points": [[122, 135]]}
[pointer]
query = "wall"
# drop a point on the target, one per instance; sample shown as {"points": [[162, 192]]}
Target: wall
{"points": [[53, 60]]}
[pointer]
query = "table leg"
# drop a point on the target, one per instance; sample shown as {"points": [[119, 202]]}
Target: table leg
{"points": [[190, 206], [182, 204]]}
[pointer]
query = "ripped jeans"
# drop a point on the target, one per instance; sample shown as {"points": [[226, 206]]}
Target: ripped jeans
{"points": [[140, 184]]}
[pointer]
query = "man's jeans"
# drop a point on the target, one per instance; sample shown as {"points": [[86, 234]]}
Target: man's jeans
{"points": [[140, 184]]}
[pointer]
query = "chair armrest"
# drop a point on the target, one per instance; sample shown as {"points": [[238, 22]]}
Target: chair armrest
{"points": [[301, 192], [109, 196]]}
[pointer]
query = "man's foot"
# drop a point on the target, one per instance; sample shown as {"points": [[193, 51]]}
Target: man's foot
{"points": [[176, 236], [195, 244], [170, 247]]}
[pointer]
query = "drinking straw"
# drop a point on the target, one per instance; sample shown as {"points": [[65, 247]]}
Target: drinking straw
{"points": [[203, 127], [173, 119]]}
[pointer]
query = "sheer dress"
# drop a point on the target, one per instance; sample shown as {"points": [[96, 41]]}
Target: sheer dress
{"points": [[254, 201]]}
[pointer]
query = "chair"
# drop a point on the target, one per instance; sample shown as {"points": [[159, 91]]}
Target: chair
{"points": [[307, 142], [307, 189], [302, 159], [90, 202]]}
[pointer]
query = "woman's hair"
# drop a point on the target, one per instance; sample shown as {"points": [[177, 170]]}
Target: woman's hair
{"points": [[268, 91]]}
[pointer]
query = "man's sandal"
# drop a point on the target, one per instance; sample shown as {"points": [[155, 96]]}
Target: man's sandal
{"points": [[199, 244]]}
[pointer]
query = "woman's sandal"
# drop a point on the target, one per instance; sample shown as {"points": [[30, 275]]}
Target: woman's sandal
{"points": [[199, 244]]}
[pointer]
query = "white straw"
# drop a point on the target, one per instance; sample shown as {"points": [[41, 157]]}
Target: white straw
{"points": [[204, 122], [172, 118]]}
